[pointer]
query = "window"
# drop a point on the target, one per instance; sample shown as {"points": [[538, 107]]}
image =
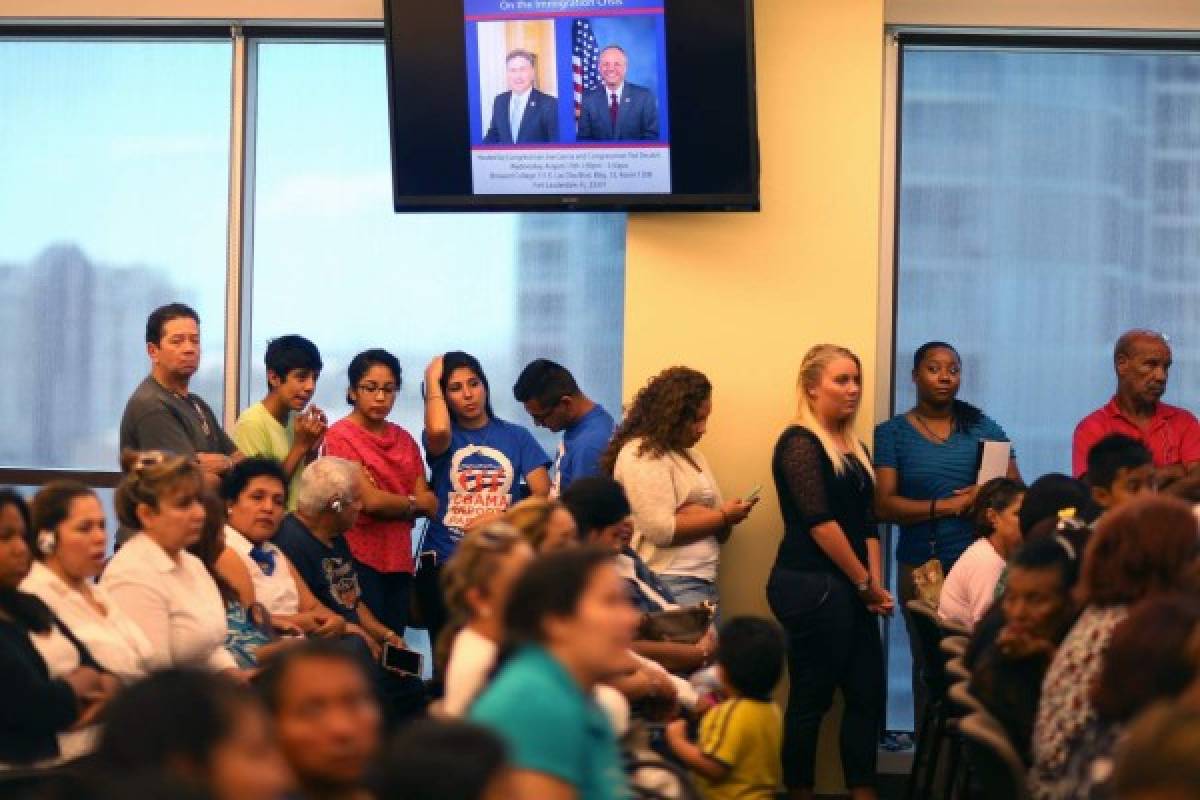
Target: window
{"points": [[1066, 217], [114, 166], [333, 262]]}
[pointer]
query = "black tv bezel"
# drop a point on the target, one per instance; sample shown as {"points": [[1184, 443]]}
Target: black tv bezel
{"points": [[403, 202]]}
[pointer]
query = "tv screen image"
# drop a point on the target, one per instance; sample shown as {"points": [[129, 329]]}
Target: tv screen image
{"points": [[566, 103], [572, 104]]}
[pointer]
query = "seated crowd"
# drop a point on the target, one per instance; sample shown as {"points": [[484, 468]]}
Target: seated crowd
{"points": [[246, 639]]}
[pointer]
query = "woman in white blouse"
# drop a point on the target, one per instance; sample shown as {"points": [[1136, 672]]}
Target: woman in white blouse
{"points": [[679, 517], [68, 541], [970, 587], [163, 588]]}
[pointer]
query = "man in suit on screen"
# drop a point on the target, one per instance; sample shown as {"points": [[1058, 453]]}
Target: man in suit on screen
{"points": [[617, 109], [522, 114]]}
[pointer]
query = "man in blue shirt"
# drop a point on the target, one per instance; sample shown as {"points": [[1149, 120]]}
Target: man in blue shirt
{"points": [[554, 400]]}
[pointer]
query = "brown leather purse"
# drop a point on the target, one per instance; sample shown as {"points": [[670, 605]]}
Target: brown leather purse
{"points": [[681, 625]]}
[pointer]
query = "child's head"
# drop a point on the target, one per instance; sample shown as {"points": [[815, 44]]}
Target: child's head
{"points": [[1118, 469], [750, 655]]}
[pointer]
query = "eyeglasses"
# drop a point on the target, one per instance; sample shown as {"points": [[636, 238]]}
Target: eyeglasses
{"points": [[371, 388]]}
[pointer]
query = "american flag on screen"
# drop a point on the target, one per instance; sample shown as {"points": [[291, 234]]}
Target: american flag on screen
{"points": [[584, 56]]}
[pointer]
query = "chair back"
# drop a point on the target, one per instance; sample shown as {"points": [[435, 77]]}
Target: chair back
{"points": [[960, 694], [951, 628], [953, 645], [956, 670], [995, 764], [929, 637]]}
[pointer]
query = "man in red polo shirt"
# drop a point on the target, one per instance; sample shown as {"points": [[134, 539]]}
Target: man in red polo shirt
{"points": [[1142, 359]]}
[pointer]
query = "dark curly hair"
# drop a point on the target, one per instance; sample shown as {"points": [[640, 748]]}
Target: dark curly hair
{"points": [[662, 414]]}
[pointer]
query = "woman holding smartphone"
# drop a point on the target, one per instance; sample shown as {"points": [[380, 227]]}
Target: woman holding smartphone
{"points": [[680, 519], [480, 465]]}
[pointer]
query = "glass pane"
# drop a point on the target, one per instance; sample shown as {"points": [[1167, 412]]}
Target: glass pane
{"points": [[1047, 202], [333, 262], [114, 167]]}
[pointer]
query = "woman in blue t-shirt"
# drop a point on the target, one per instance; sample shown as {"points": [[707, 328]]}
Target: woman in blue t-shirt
{"points": [[480, 465], [926, 464]]}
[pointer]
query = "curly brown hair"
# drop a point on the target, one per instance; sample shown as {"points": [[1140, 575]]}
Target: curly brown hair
{"points": [[662, 414]]}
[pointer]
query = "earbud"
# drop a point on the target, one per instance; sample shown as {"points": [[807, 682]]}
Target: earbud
{"points": [[47, 541]]}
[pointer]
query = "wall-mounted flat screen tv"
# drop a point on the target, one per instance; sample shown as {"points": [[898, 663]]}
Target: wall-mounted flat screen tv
{"points": [[572, 104]]}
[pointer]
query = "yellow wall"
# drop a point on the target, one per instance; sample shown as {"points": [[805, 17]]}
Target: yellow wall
{"points": [[742, 296]]}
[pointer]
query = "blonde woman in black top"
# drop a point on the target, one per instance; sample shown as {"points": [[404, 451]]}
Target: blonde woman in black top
{"points": [[826, 587]]}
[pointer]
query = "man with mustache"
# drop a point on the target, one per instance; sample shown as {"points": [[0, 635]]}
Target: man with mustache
{"points": [[162, 414], [1142, 359]]}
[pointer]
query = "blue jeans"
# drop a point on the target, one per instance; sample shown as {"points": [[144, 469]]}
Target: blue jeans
{"points": [[689, 590]]}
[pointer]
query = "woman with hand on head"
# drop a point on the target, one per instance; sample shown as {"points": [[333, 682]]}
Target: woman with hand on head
{"points": [[68, 541], [394, 491], [680, 518], [826, 587], [162, 587], [480, 464], [51, 690]]}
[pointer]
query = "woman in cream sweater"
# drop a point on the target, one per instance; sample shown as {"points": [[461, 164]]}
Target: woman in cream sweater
{"points": [[680, 519]]}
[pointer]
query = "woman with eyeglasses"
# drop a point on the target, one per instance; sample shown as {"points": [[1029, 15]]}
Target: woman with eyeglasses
{"points": [[393, 486], [480, 465]]}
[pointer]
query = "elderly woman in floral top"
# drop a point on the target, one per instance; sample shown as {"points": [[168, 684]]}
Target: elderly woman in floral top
{"points": [[1141, 548]]}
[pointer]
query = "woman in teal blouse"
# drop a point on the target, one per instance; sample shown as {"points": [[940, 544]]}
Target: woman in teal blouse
{"points": [[568, 626]]}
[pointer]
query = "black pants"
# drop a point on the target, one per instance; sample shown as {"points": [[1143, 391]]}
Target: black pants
{"points": [[428, 591], [386, 594], [833, 642]]}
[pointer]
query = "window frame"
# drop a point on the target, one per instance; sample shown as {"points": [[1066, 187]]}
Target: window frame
{"points": [[243, 40], [896, 38]]}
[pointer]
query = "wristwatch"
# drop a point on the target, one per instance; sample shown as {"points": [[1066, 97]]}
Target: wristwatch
{"points": [[862, 588]]}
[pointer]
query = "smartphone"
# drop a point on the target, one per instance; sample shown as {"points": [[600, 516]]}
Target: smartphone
{"points": [[401, 660], [753, 495]]}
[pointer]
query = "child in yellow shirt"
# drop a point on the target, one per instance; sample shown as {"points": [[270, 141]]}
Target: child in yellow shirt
{"points": [[737, 756]]}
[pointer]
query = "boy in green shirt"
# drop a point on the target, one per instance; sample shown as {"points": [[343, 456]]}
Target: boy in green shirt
{"points": [[284, 426], [738, 752]]}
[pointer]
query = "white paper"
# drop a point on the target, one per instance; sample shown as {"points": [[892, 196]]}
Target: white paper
{"points": [[993, 462]]}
